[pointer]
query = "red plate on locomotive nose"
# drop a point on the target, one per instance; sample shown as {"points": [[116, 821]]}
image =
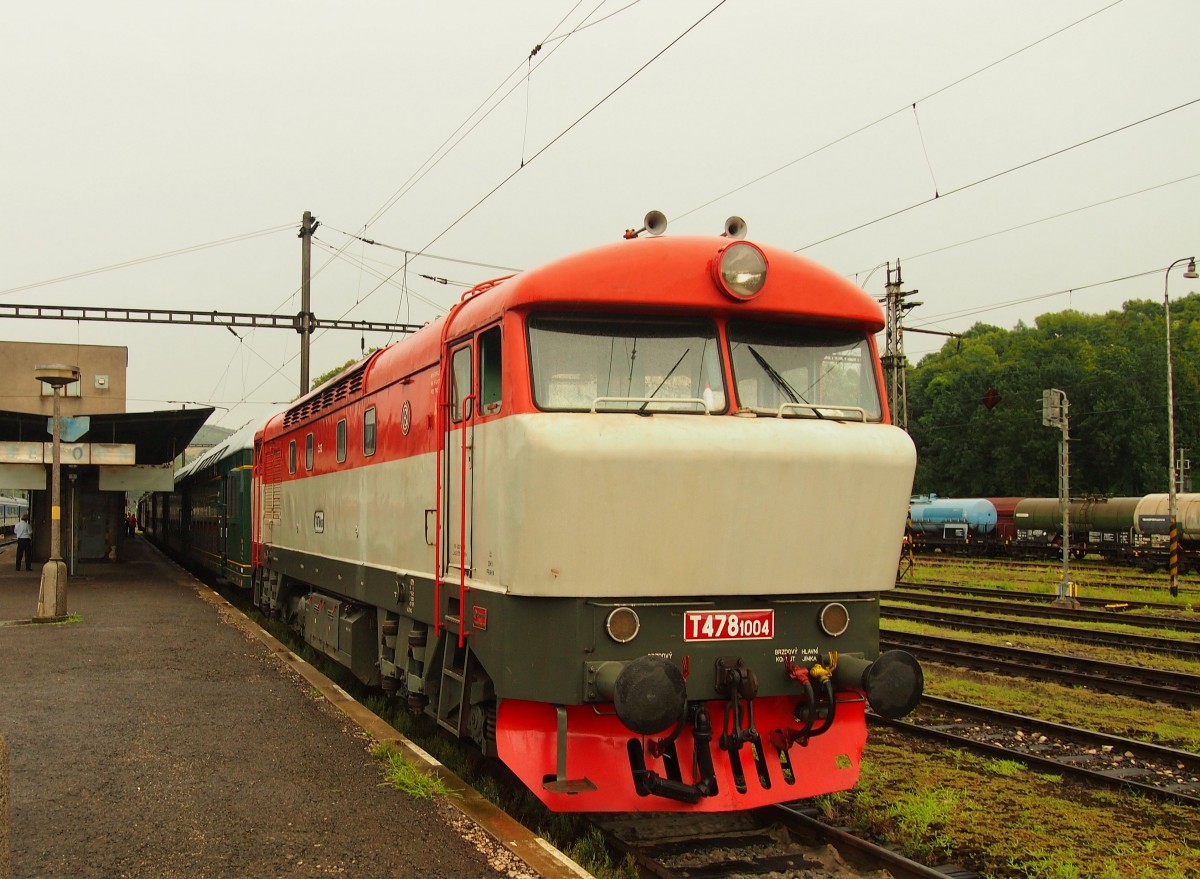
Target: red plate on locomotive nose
{"points": [[728, 625]]}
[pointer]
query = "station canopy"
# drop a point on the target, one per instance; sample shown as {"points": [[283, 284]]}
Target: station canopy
{"points": [[158, 437]]}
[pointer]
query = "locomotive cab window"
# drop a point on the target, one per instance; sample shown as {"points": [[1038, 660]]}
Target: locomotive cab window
{"points": [[626, 364], [805, 371], [308, 452], [292, 457], [460, 382], [369, 432], [489, 371], [341, 440]]}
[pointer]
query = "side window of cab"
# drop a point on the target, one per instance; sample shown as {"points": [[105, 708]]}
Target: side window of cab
{"points": [[460, 382], [490, 372], [369, 432]]}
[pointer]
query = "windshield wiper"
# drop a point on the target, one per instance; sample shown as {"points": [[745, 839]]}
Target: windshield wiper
{"points": [[670, 372], [780, 381]]}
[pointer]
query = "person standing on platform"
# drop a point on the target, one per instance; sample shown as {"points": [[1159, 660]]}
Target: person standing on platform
{"points": [[24, 535]]}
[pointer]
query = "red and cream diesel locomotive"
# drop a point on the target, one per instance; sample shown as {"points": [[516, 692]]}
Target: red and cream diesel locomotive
{"points": [[591, 519]]}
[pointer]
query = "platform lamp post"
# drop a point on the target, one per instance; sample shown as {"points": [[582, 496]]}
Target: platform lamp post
{"points": [[52, 596], [1172, 506]]}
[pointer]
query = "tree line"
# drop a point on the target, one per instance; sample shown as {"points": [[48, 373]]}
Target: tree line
{"points": [[975, 406]]}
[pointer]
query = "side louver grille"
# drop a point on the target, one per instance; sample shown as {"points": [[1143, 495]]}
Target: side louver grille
{"points": [[331, 396]]}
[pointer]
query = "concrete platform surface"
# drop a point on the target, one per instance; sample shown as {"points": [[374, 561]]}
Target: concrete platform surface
{"points": [[148, 737]]}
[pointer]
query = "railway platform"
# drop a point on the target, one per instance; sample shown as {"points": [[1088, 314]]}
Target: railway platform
{"points": [[157, 734]]}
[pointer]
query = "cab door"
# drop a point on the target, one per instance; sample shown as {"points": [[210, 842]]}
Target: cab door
{"points": [[458, 482]]}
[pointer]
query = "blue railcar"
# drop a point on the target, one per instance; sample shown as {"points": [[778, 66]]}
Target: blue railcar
{"points": [[951, 524]]}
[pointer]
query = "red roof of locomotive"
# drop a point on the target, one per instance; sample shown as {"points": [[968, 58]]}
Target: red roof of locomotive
{"points": [[648, 275], [661, 274]]}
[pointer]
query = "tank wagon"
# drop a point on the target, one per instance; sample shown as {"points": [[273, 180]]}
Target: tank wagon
{"points": [[580, 520], [1121, 530], [963, 525], [1151, 522]]}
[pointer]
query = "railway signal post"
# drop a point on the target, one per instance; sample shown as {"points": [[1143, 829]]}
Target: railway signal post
{"points": [[1189, 272], [1054, 414]]}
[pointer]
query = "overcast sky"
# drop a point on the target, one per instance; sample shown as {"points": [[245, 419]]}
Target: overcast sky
{"points": [[136, 129]]}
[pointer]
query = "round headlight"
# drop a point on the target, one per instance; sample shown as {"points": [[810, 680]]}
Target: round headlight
{"points": [[623, 624], [740, 270], [835, 619]]}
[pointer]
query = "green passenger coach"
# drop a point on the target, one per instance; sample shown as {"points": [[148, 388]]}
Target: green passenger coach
{"points": [[209, 515]]}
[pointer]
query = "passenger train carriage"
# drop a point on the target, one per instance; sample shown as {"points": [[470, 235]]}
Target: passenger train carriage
{"points": [[11, 510], [584, 519]]}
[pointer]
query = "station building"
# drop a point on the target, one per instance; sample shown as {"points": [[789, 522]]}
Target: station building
{"points": [[105, 451]]}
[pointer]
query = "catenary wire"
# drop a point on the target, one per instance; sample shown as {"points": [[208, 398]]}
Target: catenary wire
{"points": [[1025, 225], [570, 127], [382, 266], [446, 147], [999, 174], [233, 239], [423, 170], [383, 277], [547, 146], [896, 112], [410, 250], [997, 306], [400, 192]]}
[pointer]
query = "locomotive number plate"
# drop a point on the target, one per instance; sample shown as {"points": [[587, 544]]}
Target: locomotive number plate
{"points": [[728, 625]]}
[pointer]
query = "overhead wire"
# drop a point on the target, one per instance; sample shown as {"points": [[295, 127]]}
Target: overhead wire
{"points": [[545, 147], [570, 127], [998, 174], [424, 254], [998, 306], [1025, 225], [446, 147], [232, 239], [422, 170], [383, 277], [898, 111]]}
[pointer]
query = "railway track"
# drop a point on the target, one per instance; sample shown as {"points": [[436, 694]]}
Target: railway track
{"points": [[1151, 685], [1154, 770], [1109, 604], [1086, 572], [1045, 611], [1000, 625], [783, 840]]}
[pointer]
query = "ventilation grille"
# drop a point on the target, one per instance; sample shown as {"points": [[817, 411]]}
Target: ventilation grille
{"points": [[331, 396]]}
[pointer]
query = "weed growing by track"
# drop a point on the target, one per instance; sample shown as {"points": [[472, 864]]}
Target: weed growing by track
{"points": [[1009, 822], [399, 772], [1103, 712], [1051, 644]]}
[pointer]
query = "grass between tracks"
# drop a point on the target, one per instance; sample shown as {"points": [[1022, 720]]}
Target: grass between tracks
{"points": [[1052, 644], [1001, 817], [1116, 715], [1005, 820], [1091, 582]]}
